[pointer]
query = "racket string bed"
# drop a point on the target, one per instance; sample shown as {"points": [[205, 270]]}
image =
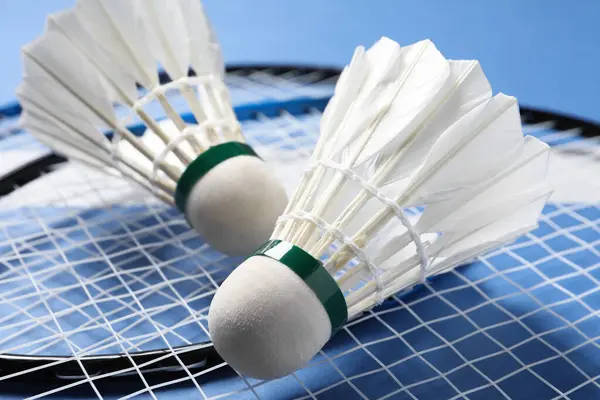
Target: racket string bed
{"points": [[104, 293]]}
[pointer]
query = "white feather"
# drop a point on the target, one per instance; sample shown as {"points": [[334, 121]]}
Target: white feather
{"points": [[166, 34], [526, 172], [116, 27], [66, 79], [474, 148], [205, 51], [467, 88], [79, 132], [378, 88], [348, 85], [412, 97], [122, 87], [62, 138], [493, 226]]}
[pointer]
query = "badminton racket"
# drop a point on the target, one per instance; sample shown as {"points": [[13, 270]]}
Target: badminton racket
{"points": [[104, 293]]}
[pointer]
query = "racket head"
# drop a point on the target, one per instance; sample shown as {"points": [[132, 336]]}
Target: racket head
{"points": [[508, 321]]}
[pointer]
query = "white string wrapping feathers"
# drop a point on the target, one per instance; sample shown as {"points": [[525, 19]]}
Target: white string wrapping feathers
{"points": [[341, 237], [186, 81], [346, 240]]}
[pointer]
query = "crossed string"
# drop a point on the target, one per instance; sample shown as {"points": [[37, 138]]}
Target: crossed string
{"points": [[346, 240]]}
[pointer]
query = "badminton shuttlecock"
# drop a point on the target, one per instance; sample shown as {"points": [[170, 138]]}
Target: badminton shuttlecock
{"points": [[81, 80], [418, 169]]}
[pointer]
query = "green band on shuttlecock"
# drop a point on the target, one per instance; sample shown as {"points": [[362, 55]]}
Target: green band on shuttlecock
{"points": [[204, 163], [313, 274]]}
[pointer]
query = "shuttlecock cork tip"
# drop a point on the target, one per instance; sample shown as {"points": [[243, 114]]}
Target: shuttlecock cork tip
{"points": [[275, 312], [231, 197]]}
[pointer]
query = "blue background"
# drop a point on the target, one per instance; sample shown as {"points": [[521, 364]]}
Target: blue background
{"points": [[545, 52]]}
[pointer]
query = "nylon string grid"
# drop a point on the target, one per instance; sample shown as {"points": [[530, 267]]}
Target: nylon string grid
{"points": [[90, 265]]}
